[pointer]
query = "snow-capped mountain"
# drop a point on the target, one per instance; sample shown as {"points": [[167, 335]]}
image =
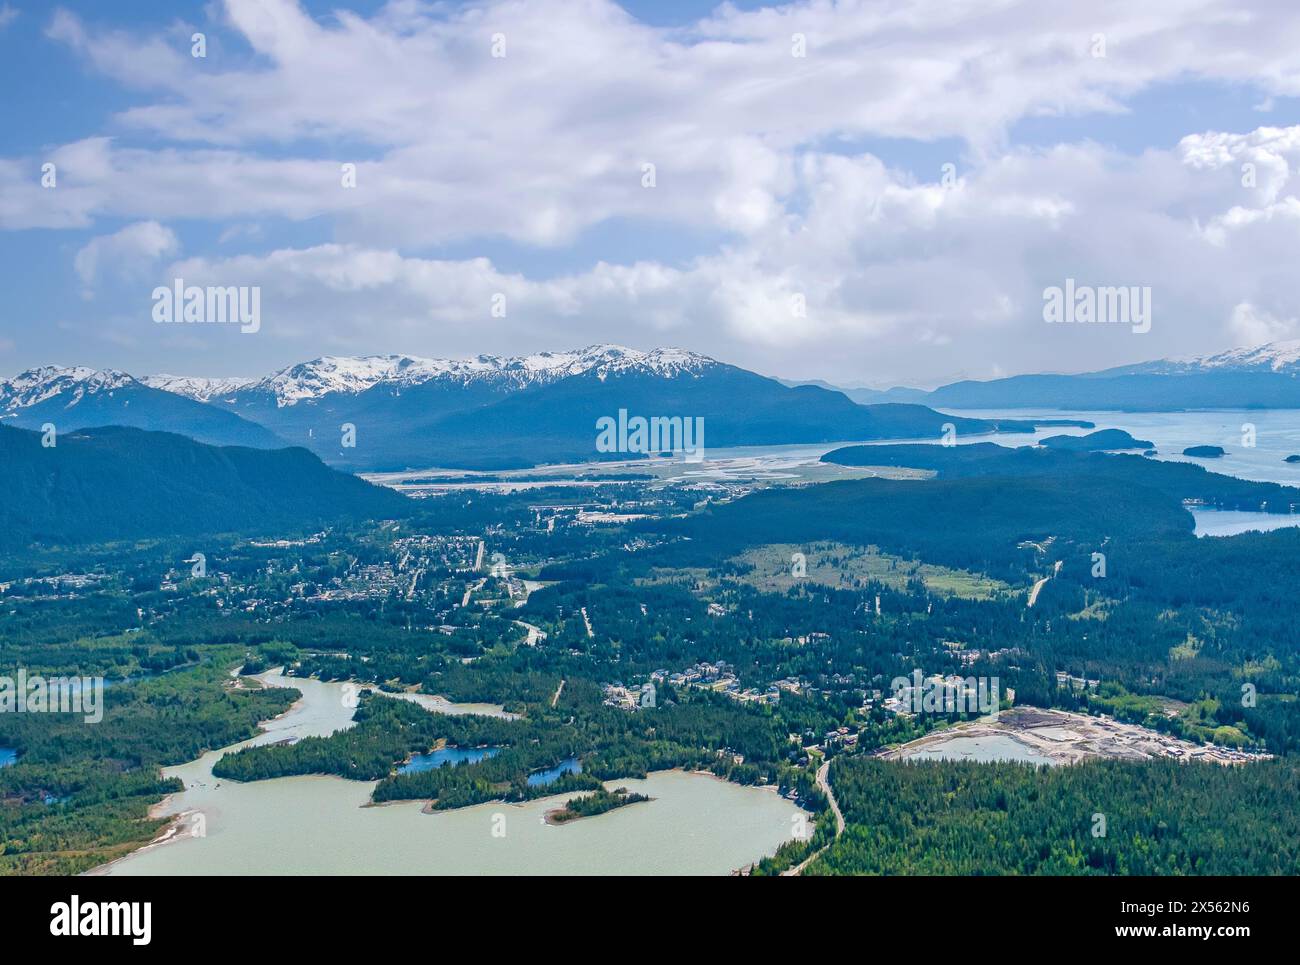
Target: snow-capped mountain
{"points": [[50, 381], [397, 399], [78, 397], [1263, 376], [352, 375], [1281, 357], [398, 411], [196, 387], [494, 412]]}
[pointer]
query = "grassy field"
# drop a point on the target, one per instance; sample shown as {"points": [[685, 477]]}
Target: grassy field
{"points": [[836, 564]]}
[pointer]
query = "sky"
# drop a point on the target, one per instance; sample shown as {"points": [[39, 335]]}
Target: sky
{"points": [[870, 193]]}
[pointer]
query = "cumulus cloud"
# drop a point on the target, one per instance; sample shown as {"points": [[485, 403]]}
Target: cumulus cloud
{"points": [[551, 138], [129, 252], [822, 260], [878, 272]]}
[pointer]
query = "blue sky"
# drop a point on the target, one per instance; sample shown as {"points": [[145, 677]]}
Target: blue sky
{"points": [[813, 179]]}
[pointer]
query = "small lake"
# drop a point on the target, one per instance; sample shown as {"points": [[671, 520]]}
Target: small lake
{"points": [[697, 824], [7, 756], [984, 750], [447, 757], [553, 774]]}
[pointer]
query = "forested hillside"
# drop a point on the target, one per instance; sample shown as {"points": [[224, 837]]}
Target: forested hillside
{"points": [[119, 483]]}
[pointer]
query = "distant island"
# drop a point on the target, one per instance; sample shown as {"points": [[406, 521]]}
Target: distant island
{"points": [[1059, 423], [598, 802], [1103, 440], [1293, 458], [1204, 452]]}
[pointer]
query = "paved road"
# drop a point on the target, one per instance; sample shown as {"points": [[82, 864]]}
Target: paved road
{"points": [[1033, 594], [823, 782]]}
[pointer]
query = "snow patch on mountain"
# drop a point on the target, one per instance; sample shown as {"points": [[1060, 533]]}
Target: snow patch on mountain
{"points": [[196, 387], [1275, 356], [352, 375], [47, 381], [1283, 357]]}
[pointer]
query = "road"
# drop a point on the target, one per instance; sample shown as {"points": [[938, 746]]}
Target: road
{"points": [[469, 590], [823, 782], [534, 633], [1033, 594]]}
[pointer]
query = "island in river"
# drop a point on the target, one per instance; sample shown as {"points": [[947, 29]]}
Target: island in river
{"points": [[314, 824], [598, 802]]}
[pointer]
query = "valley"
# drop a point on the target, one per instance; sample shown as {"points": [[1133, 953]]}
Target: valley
{"points": [[424, 656], [623, 439]]}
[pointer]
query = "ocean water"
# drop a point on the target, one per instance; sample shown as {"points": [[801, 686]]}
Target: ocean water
{"points": [[1277, 435]]}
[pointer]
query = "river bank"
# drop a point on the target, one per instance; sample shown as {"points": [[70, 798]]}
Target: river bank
{"points": [[321, 825]]}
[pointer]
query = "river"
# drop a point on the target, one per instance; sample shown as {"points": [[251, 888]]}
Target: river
{"points": [[696, 824]]}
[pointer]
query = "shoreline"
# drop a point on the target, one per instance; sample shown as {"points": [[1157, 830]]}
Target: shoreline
{"points": [[174, 830], [171, 833], [550, 818]]}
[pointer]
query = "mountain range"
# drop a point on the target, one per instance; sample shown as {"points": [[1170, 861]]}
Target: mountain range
{"points": [[482, 413], [80, 397], [391, 412], [1266, 376]]}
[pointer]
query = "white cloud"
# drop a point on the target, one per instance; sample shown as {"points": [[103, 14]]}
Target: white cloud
{"points": [[1251, 327], [900, 279], [129, 252], [903, 279], [550, 139]]}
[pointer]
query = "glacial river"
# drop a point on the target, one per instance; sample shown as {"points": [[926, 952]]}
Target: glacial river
{"points": [[1277, 435], [696, 824]]}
